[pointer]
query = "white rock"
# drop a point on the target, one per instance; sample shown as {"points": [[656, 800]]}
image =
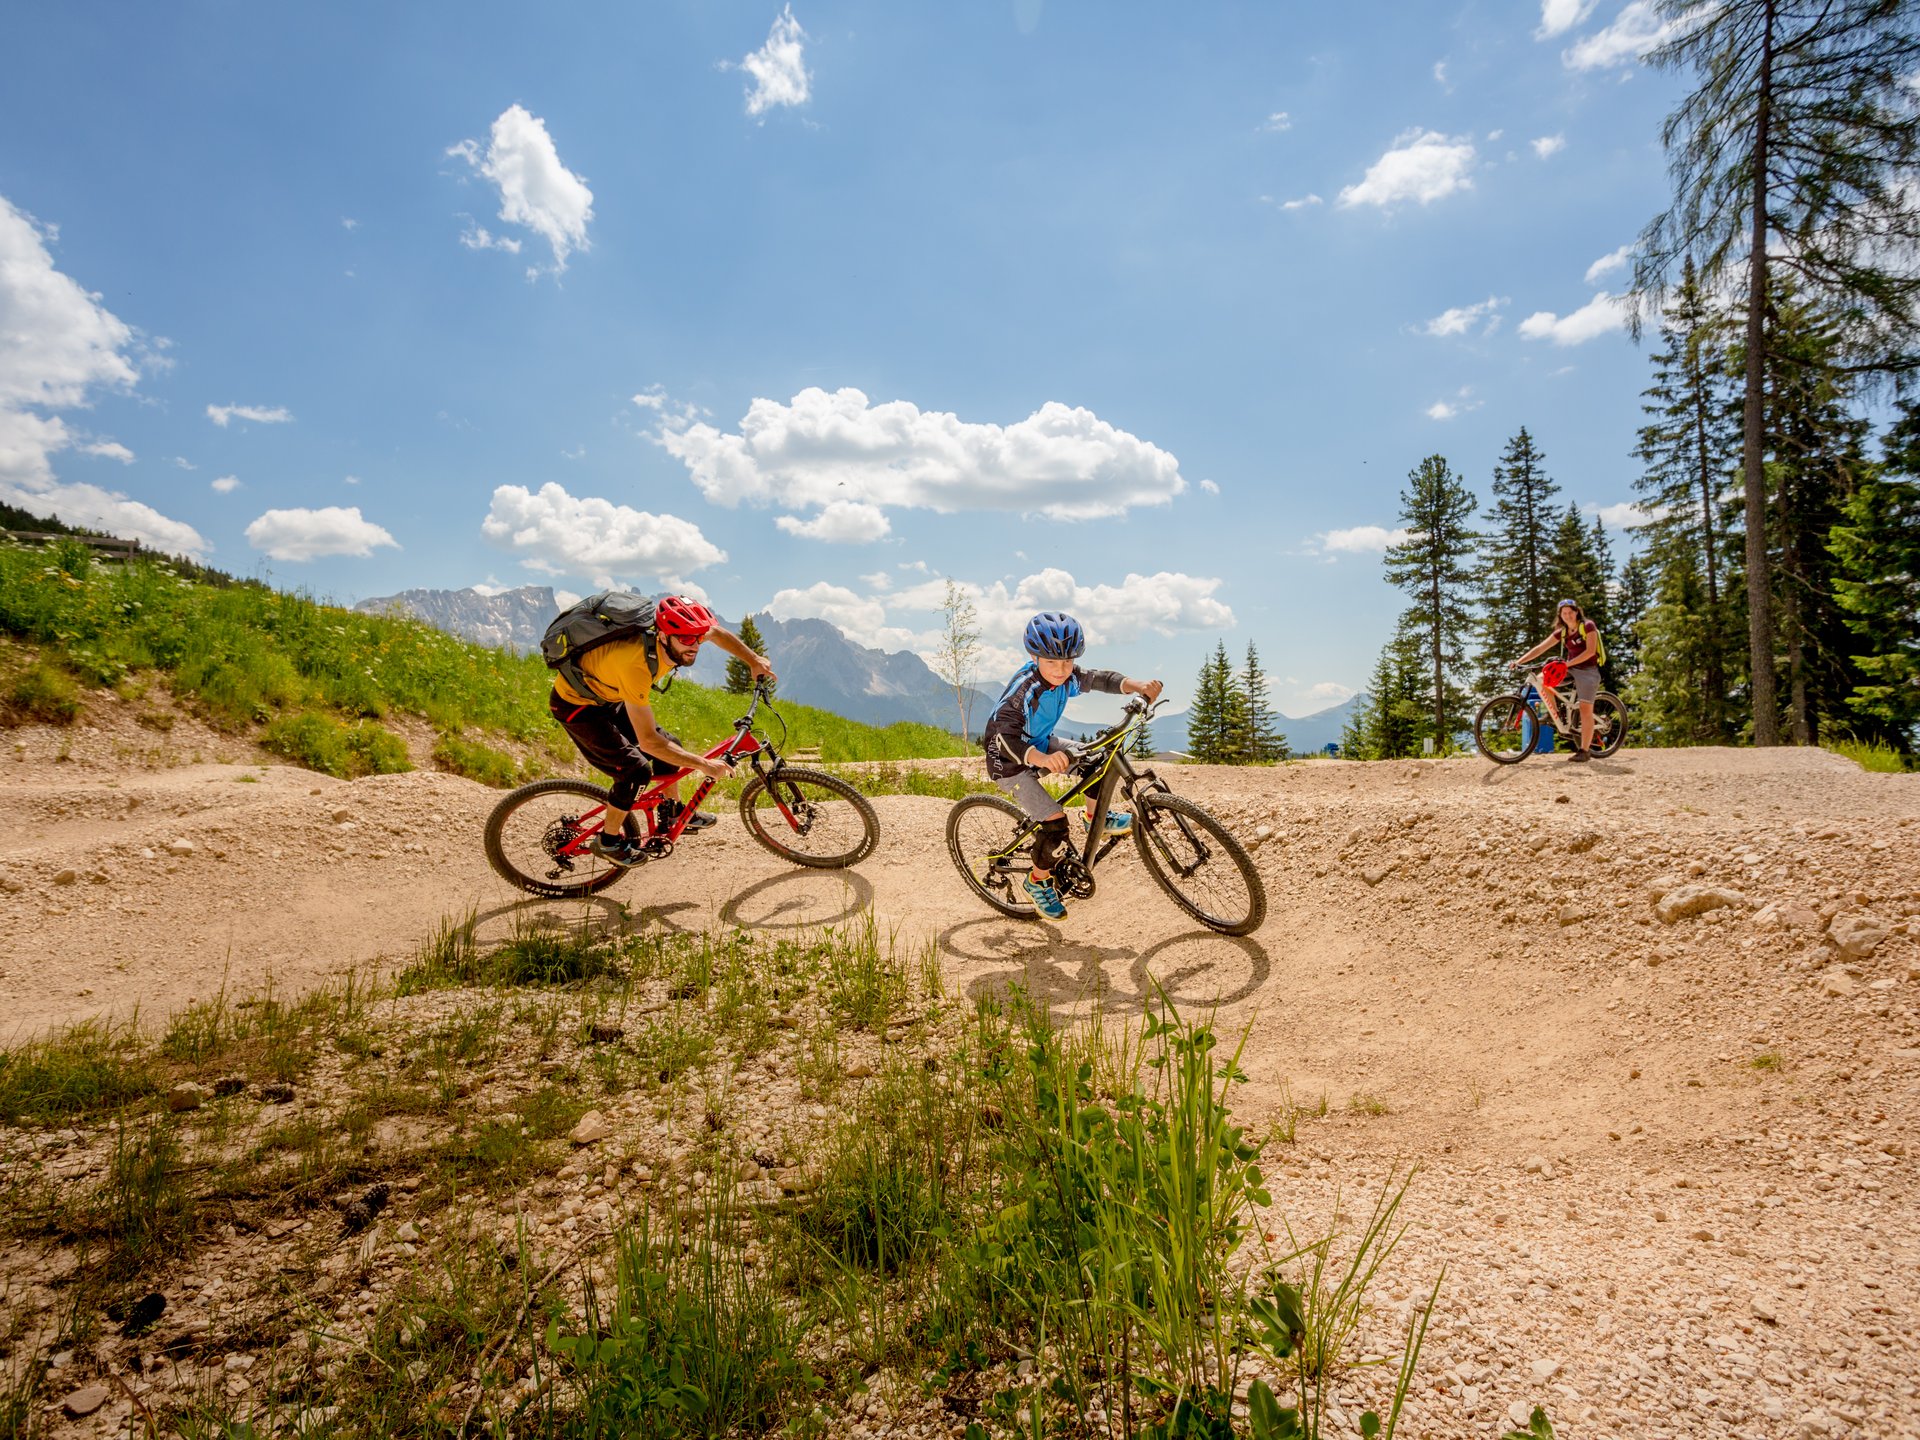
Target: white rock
{"points": [[1691, 900], [592, 1128], [1859, 934], [1835, 981], [180, 847]]}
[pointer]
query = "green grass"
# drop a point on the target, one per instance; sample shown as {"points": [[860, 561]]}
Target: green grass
{"points": [[1874, 755], [246, 655], [320, 742], [41, 693], [89, 1069]]}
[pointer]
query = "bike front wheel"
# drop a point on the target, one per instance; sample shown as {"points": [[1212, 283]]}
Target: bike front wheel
{"points": [[533, 839], [1609, 724], [810, 818], [981, 831], [1507, 729], [1203, 869]]}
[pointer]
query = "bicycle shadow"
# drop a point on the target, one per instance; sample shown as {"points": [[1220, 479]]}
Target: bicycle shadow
{"points": [[1197, 969], [799, 900], [588, 917]]}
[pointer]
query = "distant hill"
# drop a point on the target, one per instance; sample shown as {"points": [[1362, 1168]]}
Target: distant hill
{"points": [[818, 664], [1309, 732]]}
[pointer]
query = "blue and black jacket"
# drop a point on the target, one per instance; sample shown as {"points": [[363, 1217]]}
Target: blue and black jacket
{"points": [[1030, 709]]}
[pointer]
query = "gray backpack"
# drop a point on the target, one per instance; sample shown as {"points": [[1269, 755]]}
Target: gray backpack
{"points": [[592, 622]]}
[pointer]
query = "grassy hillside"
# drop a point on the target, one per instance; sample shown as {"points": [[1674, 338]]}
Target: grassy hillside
{"points": [[318, 679]]}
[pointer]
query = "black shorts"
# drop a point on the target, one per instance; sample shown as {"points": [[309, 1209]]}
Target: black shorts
{"points": [[605, 737]]}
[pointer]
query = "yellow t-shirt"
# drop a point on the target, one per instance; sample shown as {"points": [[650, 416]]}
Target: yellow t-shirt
{"points": [[617, 671]]}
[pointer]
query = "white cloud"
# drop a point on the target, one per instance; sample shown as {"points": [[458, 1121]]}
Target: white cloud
{"points": [[1440, 72], [1302, 203], [1599, 316], [653, 398], [350, 480], [1493, 135], [537, 191], [1361, 540], [1423, 166], [1061, 461], [1637, 29], [1548, 146], [1607, 264], [224, 415], [849, 522], [864, 618], [478, 237], [1462, 318], [561, 534], [183, 463], [1209, 487], [348, 223], [1441, 410], [1625, 516], [58, 346], [1278, 121], [108, 450], [226, 484], [1461, 402], [1328, 692], [878, 580], [1559, 16], [301, 534], [779, 67]]}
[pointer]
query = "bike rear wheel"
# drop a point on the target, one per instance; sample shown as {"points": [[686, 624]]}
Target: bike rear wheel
{"points": [[530, 826], [1192, 857], [979, 828], [1609, 724], [810, 818], [1507, 729]]}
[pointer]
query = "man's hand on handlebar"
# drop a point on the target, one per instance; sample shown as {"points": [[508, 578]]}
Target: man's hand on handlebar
{"points": [[1052, 761], [714, 769]]}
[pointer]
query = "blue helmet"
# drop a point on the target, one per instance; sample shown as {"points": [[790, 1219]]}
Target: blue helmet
{"points": [[1053, 636]]}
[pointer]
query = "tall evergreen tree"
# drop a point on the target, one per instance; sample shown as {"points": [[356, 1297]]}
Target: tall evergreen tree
{"points": [[1140, 747], [1689, 451], [1876, 550], [1435, 566], [1633, 598], [739, 678], [1796, 150], [1393, 720], [1263, 740], [1217, 712], [1518, 593]]}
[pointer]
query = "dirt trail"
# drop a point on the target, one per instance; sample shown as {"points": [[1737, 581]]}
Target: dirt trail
{"points": [[1670, 1166]]}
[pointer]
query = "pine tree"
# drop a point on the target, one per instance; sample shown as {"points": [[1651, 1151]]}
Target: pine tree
{"points": [[1633, 598], [1517, 589], [1216, 714], [1796, 150], [1263, 740], [1876, 552], [1140, 747], [739, 677], [1434, 565]]}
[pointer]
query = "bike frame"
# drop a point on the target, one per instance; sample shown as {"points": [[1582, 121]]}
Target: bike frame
{"points": [[745, 744]]}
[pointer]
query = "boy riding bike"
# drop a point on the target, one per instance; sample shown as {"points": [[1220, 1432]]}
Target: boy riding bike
{"points": [[1584, 654], [1020, 741], [604, 701]]}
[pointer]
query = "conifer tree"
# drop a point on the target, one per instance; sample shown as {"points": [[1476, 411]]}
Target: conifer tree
{"points": [[739, 678], [1263, 740], [1435, 566], [1216, 712], [1876, 552], [1140, 747], [1517, 589]]}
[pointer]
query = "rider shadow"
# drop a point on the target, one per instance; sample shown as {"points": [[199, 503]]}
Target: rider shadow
{"points": [[800, 900], [588, 917], [1197, 969]]}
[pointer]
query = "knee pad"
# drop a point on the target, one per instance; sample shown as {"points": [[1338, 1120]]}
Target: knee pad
{"points": [[1051, 840]]}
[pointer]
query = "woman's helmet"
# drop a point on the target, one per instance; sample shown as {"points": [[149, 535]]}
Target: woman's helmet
{"points": [[1053, 636], [1553, 674], [685, 619]]}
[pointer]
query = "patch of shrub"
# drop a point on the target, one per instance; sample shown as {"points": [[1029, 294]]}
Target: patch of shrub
{"points": [[479, 762], [322, 743], [41, 693]]}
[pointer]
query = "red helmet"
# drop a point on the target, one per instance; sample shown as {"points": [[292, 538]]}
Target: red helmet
{"points": [[687, 619], [1554, 674]]}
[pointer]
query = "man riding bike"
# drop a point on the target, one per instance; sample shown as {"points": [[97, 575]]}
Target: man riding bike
{"points": [[1584, 653], [614, 728]]}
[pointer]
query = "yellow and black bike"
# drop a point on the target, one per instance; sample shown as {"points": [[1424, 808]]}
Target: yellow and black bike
{"points": [[1190, 854]]}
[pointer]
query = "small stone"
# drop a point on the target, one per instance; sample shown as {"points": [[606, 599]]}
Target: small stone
{"points": [[1537, 1165], [1519, 1412], [592, 1128], [1702, 1235], [407, 1234], [858, 1070], [602, 1033], [188, 1096], [1571, 914], [341, 816], [68, 877], [1374, 874], [1801, 917], [180, 847], [229, 1085], [1765, 1307], [276, 1092], [1545, 1370], [1859, 934], [1835, 981], [84, 1401], [1581, 843], [1691, 900], [792, 1182]]}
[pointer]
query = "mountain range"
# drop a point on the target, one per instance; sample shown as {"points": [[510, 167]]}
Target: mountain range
{"points": [[818, 664], [1305, 734]]}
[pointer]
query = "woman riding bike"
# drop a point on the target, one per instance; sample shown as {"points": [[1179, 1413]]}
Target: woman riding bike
{"points": [[1584, 653]]}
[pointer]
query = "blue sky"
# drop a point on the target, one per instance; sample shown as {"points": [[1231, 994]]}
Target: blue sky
{"points": [[1139, 311]]}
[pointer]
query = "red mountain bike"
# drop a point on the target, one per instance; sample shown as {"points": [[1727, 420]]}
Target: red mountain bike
{"points": [[537, 835]]}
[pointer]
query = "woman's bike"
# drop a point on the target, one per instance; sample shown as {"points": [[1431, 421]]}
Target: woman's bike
{"points": [[537, 835], [1190, 855], [1509, 727]]}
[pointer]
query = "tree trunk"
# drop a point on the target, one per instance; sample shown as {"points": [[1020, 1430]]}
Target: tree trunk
{"points": [[1716, 681], [1439, 688], [1766, 724]]}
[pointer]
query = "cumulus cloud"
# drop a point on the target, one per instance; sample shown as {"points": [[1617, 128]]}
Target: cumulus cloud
{"points": [[561, 534], [225, 485], [1328, 692], [864, 618], [1441, 410], [1278, 121], [1302, 203], [779, 67], [1607, 264], [1463, 318], [848, 522], [1422, 166], [1599, 316], [824, 449], [1626, 515], [537, 192], [1559, 16], [1637, 29], [59, 346], [1209, 487], [1361, 540], [1548, 146], [478, 237], [301, 534], [225, 415]]}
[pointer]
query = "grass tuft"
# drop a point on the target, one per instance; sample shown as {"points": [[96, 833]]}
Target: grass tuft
{"points": [[88, 1069]]}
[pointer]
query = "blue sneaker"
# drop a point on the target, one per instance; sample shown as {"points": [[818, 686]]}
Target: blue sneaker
{"points": [[1045, 898], [1119, 822]]}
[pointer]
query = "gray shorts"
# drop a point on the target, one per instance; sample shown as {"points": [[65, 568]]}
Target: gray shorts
{"points": [[1031, 796], [1586, 682]]}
